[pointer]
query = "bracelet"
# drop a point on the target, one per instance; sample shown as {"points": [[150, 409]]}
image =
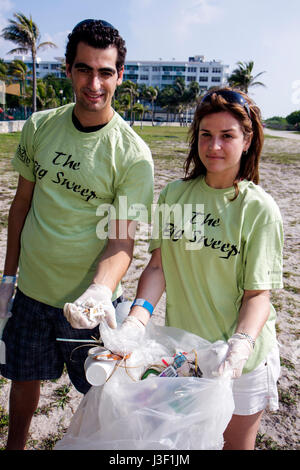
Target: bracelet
{"points": [[143, 303], [8, 279], [246, 336]]}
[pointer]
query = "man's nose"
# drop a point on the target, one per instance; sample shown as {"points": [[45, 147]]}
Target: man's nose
{"points": [[95, 81]]}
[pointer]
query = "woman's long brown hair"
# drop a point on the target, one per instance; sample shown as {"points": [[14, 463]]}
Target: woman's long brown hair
{"points": [[251, 127]]}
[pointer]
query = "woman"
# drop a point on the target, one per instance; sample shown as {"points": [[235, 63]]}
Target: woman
{"points": [[219, 264]]}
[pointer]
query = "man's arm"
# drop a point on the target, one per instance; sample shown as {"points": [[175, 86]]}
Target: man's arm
{"points": [[112, 266], [16, 219], [117, 256], [17, 215]]}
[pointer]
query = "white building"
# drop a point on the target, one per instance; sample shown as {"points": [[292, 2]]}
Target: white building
{"points": [[162, 73], [152, 73], [43, 67]]}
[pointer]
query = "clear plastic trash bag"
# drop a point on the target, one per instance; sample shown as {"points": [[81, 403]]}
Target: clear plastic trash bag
{"points": [[184, 413]]}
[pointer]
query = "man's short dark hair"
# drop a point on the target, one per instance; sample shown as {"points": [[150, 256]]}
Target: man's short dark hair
{"points": [[98, 34]]}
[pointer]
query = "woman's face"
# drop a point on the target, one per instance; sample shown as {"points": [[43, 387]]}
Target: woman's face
{"points": [[221, 143]]}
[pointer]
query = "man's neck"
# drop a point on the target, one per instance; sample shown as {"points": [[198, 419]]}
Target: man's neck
{"points": [[90, 119]]}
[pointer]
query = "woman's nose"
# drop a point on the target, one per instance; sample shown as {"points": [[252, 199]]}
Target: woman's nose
{"points": [[215, 143]]}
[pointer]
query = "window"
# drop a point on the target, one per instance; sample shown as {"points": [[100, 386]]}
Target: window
{"points": [[131, 67], [191, 79], [203, 79], [192, 69], [216, 70], [144, 77], [130, 76], [215, 79], [203, 69], [156, 69]]}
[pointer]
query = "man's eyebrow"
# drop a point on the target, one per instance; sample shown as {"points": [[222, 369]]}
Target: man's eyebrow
{"points": [[82, 65]]}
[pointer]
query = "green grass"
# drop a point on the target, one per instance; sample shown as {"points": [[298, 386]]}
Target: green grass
{"points": [[8, 144], [153, 134]]}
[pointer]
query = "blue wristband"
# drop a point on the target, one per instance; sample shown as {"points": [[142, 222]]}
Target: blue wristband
{"points": [[143, 303], [8, 279]]}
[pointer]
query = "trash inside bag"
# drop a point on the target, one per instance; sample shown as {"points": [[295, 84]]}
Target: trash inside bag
{"points": [[141, 408]]}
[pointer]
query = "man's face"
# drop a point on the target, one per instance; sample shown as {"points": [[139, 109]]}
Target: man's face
{"points": [[94, 77]]}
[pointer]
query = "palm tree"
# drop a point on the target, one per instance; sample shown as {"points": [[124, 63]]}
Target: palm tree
{"points": [[19, 71], [152, 93], [242, 77], [130, 88], [24, 32], [3, 71]]}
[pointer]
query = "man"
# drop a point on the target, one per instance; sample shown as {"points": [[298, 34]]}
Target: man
{"points": [[73, 161]]}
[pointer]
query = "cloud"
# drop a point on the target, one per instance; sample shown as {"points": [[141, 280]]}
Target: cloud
{"points": [[60, 39], [198, 12], [164, 28], [5, 7]]}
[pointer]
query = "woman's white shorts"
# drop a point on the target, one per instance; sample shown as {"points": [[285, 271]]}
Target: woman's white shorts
{"points": [[257, 390]]}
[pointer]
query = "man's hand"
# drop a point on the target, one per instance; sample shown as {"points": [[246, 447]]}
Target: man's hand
{"points": [[7, 288], [93, 305], [240, 348]]}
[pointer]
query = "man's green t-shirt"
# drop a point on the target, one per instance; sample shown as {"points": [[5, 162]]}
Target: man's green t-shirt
{"points": [[79, 177], [213, 249]]}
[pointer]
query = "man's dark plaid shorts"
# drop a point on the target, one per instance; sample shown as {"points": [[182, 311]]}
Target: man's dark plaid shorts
{"points": [[32, 351]]}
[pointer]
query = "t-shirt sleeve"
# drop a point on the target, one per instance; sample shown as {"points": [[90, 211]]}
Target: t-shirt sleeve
{"points": [[23, 160], [134, 195], [263, 267]]}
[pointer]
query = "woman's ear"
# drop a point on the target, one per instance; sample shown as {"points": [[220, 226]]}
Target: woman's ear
{"points": [[247, 142]]}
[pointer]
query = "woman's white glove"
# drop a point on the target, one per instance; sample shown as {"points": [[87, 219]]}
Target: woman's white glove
{"points": [[92, 306], [240, 348], [7, 288], [123, 340]]}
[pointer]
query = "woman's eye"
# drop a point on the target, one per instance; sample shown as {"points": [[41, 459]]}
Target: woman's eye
{"points": [[204, 134]]}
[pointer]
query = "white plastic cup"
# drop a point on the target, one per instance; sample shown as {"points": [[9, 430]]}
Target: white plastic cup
{"points": [[97, 372]]}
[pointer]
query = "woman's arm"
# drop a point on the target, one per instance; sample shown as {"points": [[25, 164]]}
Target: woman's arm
{"points": [[151, 286], [254, 312]]}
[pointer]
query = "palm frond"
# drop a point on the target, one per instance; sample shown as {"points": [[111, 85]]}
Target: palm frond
{"points": [[46, 44]]}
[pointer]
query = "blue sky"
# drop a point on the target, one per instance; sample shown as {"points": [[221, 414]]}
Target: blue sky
{"points": [[265, 31]]}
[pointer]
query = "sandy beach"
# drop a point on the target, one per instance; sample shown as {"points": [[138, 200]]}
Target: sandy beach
{"points": [[279, 430]]}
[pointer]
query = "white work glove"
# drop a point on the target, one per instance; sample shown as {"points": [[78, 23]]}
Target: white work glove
{"points": [[7, 288], [124, 340], [93, 305], [240, 348]]}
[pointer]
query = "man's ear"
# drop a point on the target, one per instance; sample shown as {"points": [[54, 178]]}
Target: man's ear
{"points": [[68, 70], [120, 76]]}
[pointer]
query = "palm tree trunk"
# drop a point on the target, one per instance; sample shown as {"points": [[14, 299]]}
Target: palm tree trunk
{"points": [[33, 54]]}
